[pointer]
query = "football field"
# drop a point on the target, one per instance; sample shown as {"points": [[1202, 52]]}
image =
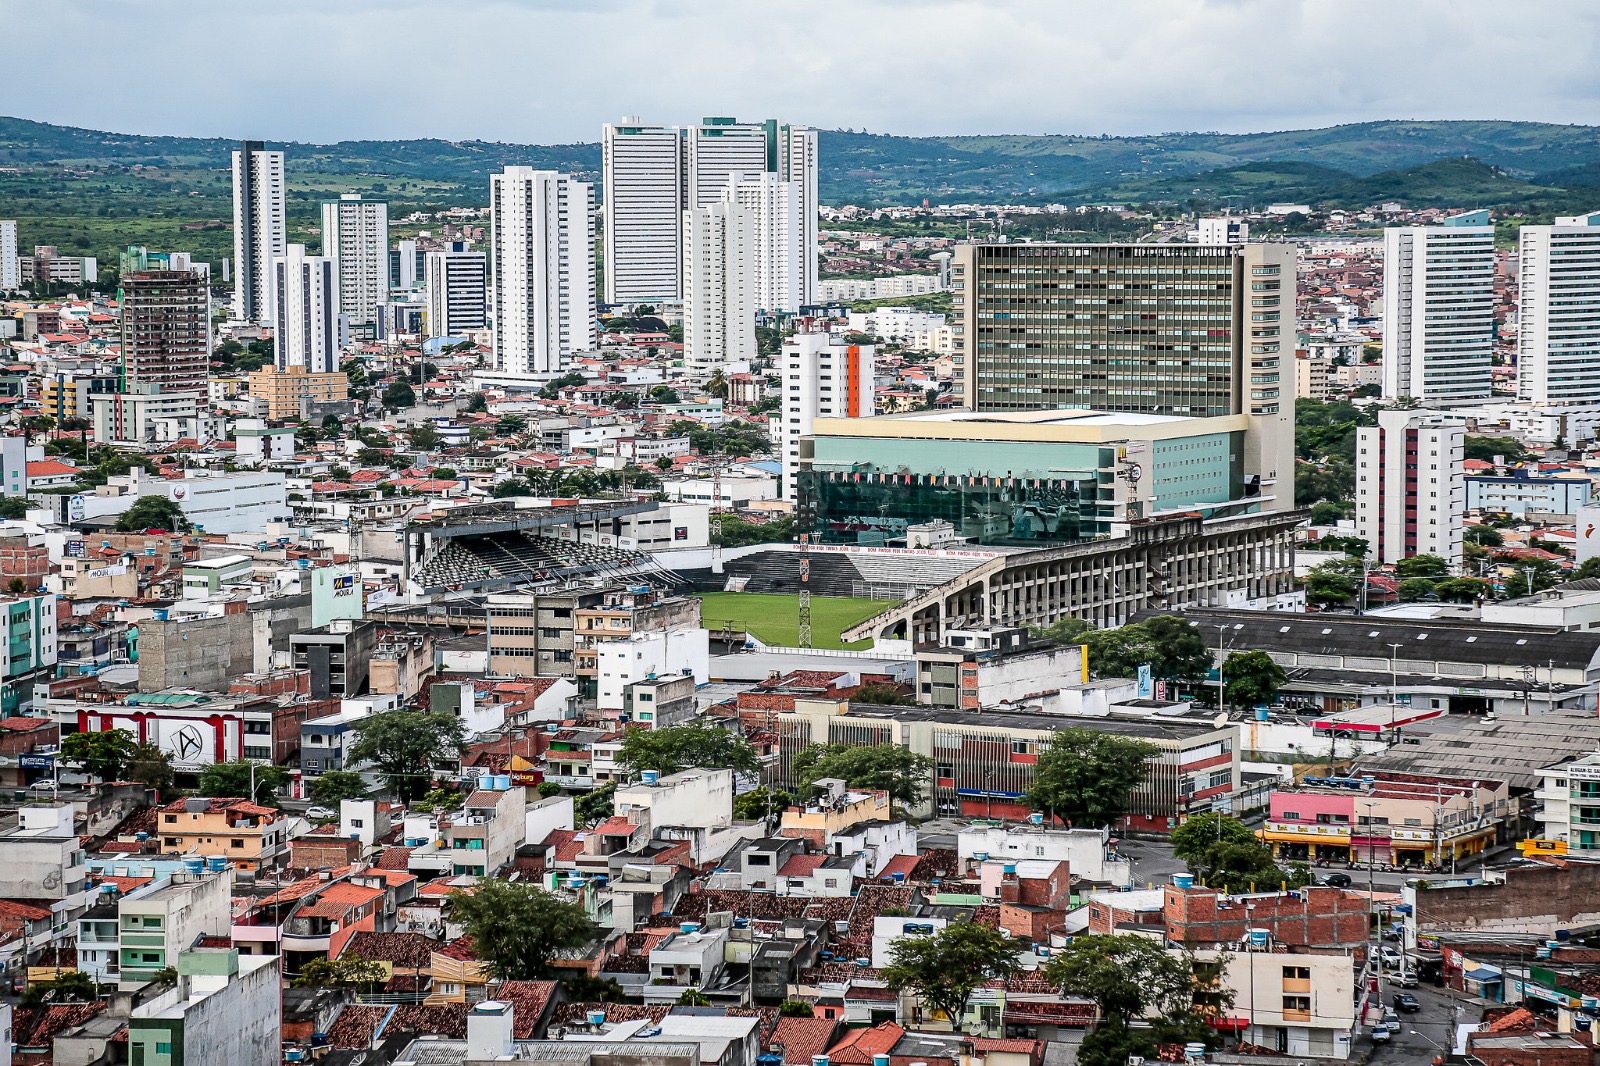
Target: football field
{"points": [[774, 618]]}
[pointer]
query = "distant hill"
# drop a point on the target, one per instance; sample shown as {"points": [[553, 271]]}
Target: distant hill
{"points": [[92, 192]]}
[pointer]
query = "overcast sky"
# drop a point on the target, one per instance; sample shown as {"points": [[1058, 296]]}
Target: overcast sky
{"points": [[547, 71]]}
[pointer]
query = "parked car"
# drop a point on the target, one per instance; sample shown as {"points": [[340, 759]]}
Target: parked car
{"points": [[1391, 1021], [1407, 1002], [1337, 880], [321, 813], [1408, 979], [1380, 1033]]}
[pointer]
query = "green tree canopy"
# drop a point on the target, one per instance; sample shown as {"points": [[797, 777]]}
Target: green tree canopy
{"points": [[398, 394], [517, 928], [1129, 976], [1413, 589], [1225, 853], [1485, 449], [1485, 536], [1328, 586], [903, 773], [404, 745], [1252, 677], [759, 802], [595, 804], [1085, 776], [1431, 566], [684, 747], [104, 755], [232, 778], [1170, 646], [347, 971], [14, 508], [152, 512], [944, 968], [333, 786], [1463, 590], [152, 768]]}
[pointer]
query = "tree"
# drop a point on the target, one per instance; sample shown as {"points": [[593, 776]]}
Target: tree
{"points": [[1487, 449], [1587, 569], [232, 778], [347, 971], [902, 773], [1129, 976], [517, 928], [693, 997], [404, 745], [944, 968], [877, 694], [510, 426], [1413, 589], [796, 1008], [152, 512], [1252, 677], [758, 803], [334, 786], [424, 437], [152, 768], [332, 425], [1326, 513], [1180, 651], [1068, 630], [1085, 776], [546, 789], [595, 805], [1463, 590], [104, 755], [1225, 852], [1485, 536], [398, 394], [477, 404], [14, 508], [72, 986], [684, 747], [1431, 566], [1329, 587]]}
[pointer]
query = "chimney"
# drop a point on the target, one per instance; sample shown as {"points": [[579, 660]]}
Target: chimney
{"points": [[489, 1030]]}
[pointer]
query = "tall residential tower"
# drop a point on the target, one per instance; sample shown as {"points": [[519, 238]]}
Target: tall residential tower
{"points": [[1438, 311], [308, 330], [642, 178], [355, 236], [543, 264], [1558, 341], [260, 233]]}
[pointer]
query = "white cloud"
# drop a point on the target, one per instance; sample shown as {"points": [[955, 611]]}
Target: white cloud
{"points": [[552, 70]]}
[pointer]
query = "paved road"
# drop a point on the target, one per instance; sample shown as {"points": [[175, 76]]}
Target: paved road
{"points": [[1423, 1034]]}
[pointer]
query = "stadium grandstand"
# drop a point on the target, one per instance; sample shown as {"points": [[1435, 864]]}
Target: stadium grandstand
{"points": [[497, 547]]}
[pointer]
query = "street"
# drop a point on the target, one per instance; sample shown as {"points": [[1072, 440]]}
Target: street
{"points": [[1422, 1035]]}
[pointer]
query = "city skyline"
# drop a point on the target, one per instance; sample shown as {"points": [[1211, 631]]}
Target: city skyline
{"points": [[860, 65]]}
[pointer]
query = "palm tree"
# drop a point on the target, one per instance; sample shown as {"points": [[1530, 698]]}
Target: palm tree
{"points": [[717, 384]]}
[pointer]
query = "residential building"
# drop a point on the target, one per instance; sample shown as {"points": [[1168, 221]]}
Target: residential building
{"points": [[719, 309], [309, 330], [1558, 293], [544, 269], [1313, 376], [165, 338], [249, 836], [47, 266], [1295, 1002], [659, 702], [1524, 493], [355, 238], [406, 264], [457, 300], [10, 269], [65, 394], [152, 415], [776, 229], [1043, 327], [31, 650], [260, 233], [1089, 853], [620, 614], [1410, 492], [1567, 804], [294, 392], [821, 379], [42, 864], [339, 656], [1221, 231], [898, 324], [642, 175], [225, 1009], [1438, 311], [488, 833], [531, 634], [647, 656], [159, 921]]}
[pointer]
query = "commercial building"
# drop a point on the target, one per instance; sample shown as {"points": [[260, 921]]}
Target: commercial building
{"points": [[213, 501], [294, 392], [1021, 478], [1438, 311], [225, 1008], [10, 269], [456, 293], [1198, 760], [1567, 804], [355, 238], [406, 264], [1410, 493], [822, 378], [1558, 292], [260, 233], [309, 330], [543, 251], [642, 168], [1401, 819], [165, 336], [991, 666], [1221, 231], [1169, 329]]}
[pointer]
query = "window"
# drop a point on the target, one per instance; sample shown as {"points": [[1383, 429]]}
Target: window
{"points": [[1297, 973], [1297, 1004], [163, 1047], [1290, 816], [171, 819], [946, 770], [831, 882], [236, 842]]}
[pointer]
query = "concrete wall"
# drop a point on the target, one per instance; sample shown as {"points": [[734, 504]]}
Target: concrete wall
{"points": [[1536, 900], [201, 653]]}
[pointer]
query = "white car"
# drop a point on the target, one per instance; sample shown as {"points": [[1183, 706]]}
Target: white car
{"points": [[317, 814]]}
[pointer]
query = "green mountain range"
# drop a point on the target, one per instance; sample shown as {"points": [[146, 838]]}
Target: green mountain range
{"points": [[92, 192]]}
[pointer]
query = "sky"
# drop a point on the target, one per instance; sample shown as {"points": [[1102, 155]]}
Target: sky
{"points": [[551, 71]]}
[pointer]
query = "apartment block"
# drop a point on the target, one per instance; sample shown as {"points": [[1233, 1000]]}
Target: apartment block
{"points": [[1410, 492], [1438, 311]]}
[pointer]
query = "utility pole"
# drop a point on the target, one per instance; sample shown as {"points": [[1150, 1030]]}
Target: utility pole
{"points": [[1394, 685], [1222, 686]]}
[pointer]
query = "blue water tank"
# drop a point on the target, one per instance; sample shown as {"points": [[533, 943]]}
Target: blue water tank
{"points": [[194, 864], [502, 782], [217, 862]]}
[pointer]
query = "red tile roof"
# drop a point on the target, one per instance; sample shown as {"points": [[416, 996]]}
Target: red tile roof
{"points": [[804, 1037], [859, 1045]]}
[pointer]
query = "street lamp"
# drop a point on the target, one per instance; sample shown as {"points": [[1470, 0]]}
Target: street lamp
{"points": [[1222, 684], [1250, 943], [1394, 684], [1372, 926]]}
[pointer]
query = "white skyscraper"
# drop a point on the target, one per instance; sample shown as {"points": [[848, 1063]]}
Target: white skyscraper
{"points": [[10, 265], [405, 273], [1438, 311], [718, 149], [777, 234], [797, 163], [719, 310], [308, 329], [543, 254], [1558, 342], [259, 231], [642, 177], [456, 294], [823, 377], [355, 235]]}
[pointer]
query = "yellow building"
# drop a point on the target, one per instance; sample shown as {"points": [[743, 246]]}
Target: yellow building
{"points": [[247, 835], [290, 393]]}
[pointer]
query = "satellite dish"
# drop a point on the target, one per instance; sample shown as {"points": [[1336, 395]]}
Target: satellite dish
{"points": [[1220, 720]]}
